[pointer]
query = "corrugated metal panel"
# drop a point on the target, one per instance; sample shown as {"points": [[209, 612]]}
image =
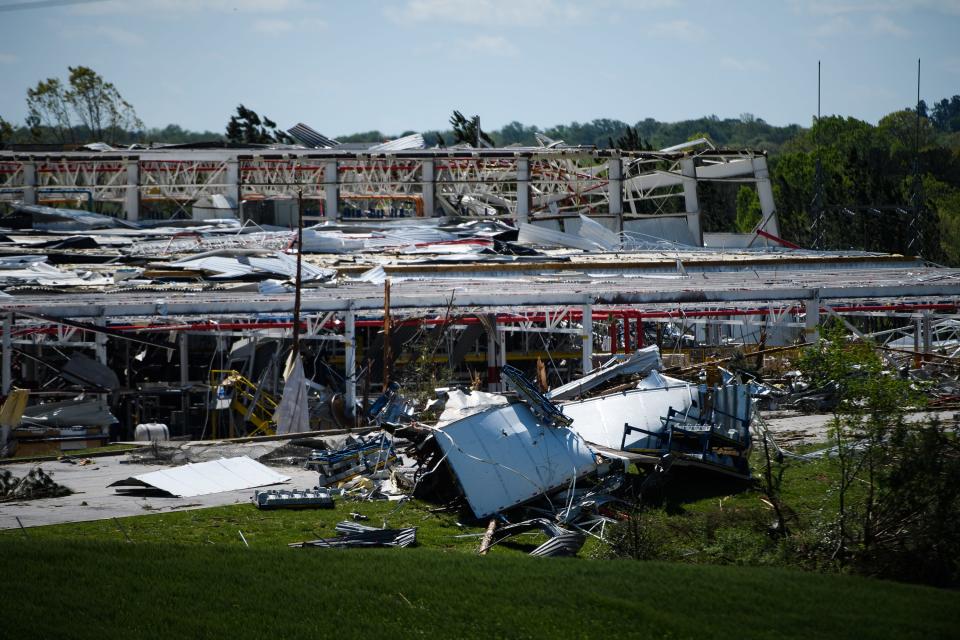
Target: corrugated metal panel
{"points": [[502, 457], [311, 137], [413, 141], [204, 478]]}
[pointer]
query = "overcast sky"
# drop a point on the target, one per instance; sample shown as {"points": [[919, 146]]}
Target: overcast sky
{"points": [[344, 67]]}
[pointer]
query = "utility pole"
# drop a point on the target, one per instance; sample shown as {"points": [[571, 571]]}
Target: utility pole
{"points": [[299, 278]]}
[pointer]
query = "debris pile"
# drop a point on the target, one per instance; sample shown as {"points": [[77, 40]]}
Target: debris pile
{"points": [[358, 535], [34, 485], [564, 463]]}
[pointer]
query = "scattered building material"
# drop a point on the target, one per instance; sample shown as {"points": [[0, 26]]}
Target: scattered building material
{"points": [[34, 485], [641, 362], [562, 542], [358, 456], [353, 534]]}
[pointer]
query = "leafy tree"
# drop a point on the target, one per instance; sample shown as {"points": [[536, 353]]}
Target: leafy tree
{"points": [[47, 108], [6, 131], [748, 209], [87, 108], [468, 131], [630, 141], [247, 127], [946, 114]]}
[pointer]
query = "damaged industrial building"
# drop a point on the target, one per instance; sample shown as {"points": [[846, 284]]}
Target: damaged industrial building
{"points": [[514, 330]]}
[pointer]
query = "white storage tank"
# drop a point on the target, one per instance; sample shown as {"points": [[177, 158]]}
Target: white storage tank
{"points": [[151, 432]]}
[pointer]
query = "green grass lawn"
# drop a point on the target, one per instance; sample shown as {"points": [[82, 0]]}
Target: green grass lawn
{"points": [[59, 588], [188, 574]]}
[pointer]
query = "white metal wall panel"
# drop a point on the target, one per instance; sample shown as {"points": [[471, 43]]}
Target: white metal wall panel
{"points": [[503, 457]]}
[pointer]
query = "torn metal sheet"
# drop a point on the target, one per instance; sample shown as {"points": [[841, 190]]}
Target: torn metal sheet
{"points": [[541, 236], [598, 234], [503, 457], [55, 219], [225, 266], [642, 361], [562, 542], [359, 535], [86, 371], [204, 478], [69, 413]]}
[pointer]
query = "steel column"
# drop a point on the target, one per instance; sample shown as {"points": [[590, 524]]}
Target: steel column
{"points": [[233, 191], [331, 191], [428, 178], [523, 190], [350, 362], [615, 189], [691, 202], [30, 183], [768, 209], [587, 338], [7, 378], [131, 200], [812, 324]]}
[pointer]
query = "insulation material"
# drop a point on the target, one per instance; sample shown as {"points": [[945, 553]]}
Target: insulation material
{"points": [[503, 457], [204, 478]]}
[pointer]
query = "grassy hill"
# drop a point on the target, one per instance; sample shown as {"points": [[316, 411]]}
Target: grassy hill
{"points": [[82, 588]]}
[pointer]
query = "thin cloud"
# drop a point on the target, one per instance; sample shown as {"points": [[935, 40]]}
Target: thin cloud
{"points": [[491, 45], [676, 30], [730, 63], [8, 58], [883, 25], [272, 27], [482, 12], [848, 7], [112, 7], [115, 35]]}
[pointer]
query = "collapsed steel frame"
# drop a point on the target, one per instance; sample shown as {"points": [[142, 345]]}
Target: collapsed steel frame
{"points": [[910, 290], [525, 184]]}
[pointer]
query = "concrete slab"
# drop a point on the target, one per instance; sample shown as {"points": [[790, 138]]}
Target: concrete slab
{"points": [[92, 500], [791, 429]]}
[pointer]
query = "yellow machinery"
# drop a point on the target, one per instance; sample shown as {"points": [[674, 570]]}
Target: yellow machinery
{"points": [[245, 400]]}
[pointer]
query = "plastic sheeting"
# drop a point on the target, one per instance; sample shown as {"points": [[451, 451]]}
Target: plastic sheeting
{"points": [[293, 414]]}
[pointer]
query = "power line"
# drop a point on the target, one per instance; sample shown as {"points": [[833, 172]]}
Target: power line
{"points": [[42, 4]]}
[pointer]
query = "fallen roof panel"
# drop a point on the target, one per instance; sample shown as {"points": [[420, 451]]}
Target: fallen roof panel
{"points": [[216, 476]]}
